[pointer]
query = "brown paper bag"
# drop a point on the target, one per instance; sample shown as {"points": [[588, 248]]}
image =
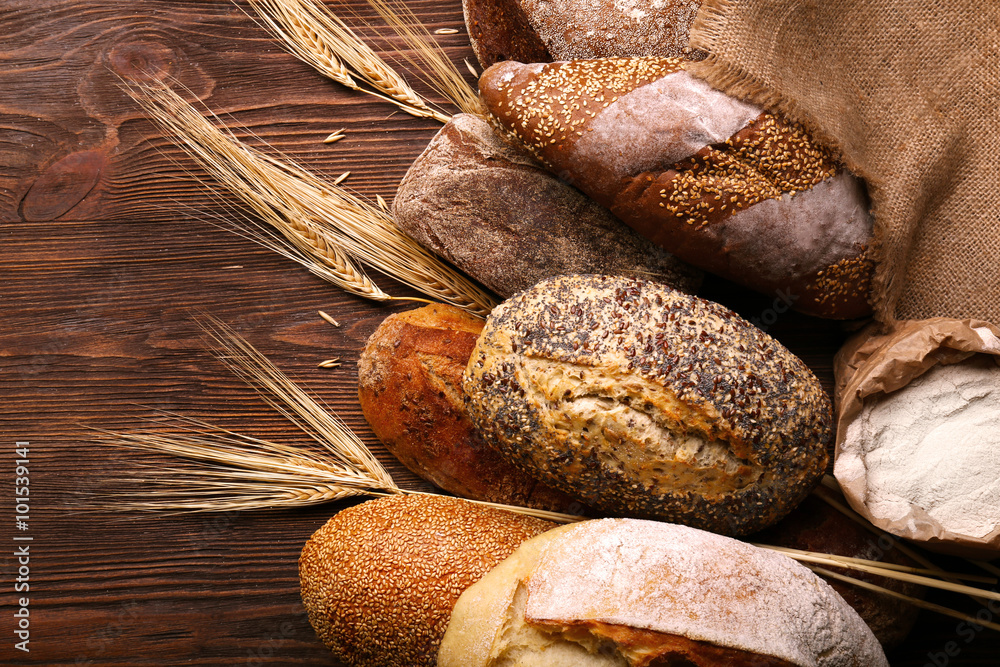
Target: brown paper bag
{"points": [[872, 364]]}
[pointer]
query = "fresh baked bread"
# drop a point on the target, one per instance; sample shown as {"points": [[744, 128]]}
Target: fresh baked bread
{"points": [[631, 593], [410, 389], [719, 183], [816, 526], [536, 31], [492, 210], [644, 401], [379, 580]]}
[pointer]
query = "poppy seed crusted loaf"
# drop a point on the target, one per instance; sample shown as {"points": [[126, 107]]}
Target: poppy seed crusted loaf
{"points": [[645, 401]]}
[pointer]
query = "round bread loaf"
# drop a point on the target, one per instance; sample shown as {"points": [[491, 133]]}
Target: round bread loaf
{"points": [[625, 592], [816, 526], [379, 580], [731, 189], [535, 31], [410, 389], [492, 210], [644, 401]]}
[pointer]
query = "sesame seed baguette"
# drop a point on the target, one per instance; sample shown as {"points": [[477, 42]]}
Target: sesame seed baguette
{"points": [[647, 402], [379, 580], [721, 184]]}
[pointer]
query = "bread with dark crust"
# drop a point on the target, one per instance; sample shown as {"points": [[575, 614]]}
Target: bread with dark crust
{"points": [[380, 579], [492, 210], [535, 31], [644, 401], [721, 184], [410, 389]]}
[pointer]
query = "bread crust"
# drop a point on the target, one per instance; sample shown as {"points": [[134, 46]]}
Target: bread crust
{"points": [[721, 184], [545, 30], [631, 592], [644, 401], [492, 210], [379, 580], [410, 390]]}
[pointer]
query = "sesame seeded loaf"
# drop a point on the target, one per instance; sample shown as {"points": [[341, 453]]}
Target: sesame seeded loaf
{"points": [[380, 579], [410, 389], [644, 401], [632, 593], [719, 183], [545, 30], [492, 210]]}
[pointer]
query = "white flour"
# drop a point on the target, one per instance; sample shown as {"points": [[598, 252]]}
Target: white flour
{"points": [[935, 444]]}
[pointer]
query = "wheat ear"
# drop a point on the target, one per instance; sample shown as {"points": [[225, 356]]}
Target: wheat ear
{"points": [[324, 227], [314, 34]]}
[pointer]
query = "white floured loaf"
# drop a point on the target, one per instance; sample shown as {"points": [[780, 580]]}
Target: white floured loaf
{"points": [[631, 593]]}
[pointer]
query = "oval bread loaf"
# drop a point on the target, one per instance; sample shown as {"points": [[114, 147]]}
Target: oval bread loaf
{"points": [[493, 211], [721, 184], [644, 401], [380, 579], [545, 30], [631, 593], [410, 389]]}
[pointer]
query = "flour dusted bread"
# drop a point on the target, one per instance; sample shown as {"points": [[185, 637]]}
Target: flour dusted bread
{"points": [[645, 401], [492, 210], [631, 593], [545, 30], [719, 183], [379, 580], [410, 390]]}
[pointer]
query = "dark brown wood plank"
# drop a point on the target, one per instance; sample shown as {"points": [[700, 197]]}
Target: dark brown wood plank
{"points": [[107, 255]]}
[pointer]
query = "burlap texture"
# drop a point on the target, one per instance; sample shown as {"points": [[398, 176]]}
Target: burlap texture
{"points": [[909, 92]]}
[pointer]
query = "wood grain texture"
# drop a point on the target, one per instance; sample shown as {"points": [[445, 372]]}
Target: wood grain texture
{"points": [[108, 252]]}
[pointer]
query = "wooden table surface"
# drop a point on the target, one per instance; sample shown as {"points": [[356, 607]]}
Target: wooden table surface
{"points": [[109, 251]]}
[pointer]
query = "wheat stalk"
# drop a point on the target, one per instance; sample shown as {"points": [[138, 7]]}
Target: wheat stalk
{"points": [[437, 69], [314, 34], [323, 226]]}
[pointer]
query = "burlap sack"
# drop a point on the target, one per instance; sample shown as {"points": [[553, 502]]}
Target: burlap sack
{"points": [[872, 364], [909, 92]]}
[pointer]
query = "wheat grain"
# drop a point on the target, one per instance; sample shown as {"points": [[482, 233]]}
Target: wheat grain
{"points": [[323, 225], [314, 34]]}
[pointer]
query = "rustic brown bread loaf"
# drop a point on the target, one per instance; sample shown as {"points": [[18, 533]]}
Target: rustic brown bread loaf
{"points": [[379, 580], [535, 31], [644, 401], [816, 526], [722, 185], [410, 388], [492, 210], [625, 592]]}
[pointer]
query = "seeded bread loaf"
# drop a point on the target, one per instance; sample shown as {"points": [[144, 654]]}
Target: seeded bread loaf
{"points": [[644, 401], [492, 210], [379, 580], [410, 389], [630, 593], [719, 183], [544, 30]]}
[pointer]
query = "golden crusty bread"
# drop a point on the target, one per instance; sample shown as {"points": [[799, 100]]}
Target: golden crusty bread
{"points": [[410, 389], [379, 580], [644, 401], [633, 593]]}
